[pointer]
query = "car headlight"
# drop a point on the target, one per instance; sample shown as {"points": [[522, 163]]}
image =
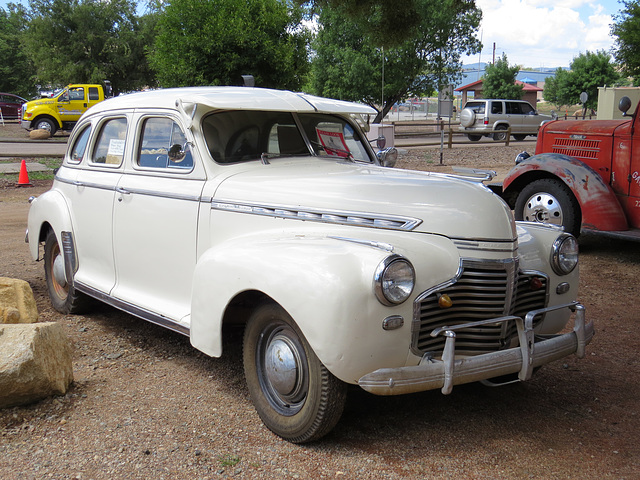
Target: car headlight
{"points": [[564, 254], [394, 280]]}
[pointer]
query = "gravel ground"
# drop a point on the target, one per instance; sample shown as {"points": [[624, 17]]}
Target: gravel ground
{"points": [[145, 404]]}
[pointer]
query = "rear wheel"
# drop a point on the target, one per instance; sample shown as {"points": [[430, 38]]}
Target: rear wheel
{"points": [[64, 298], [500, 136], [294, 394], [549, 201]]}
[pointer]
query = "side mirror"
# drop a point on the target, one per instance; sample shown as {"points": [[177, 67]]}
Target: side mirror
{"points": [[624, 105], [177, 152], [388, 157], [381, 142]]}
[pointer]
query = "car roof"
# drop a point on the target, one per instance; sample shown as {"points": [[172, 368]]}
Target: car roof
{"points": [[12, 95], [232, 98]]}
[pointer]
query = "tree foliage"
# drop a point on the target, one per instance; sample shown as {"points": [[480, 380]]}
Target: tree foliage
{"points": [[499, 81], [87, 41], [348, 62], [626, 27], [16, 71], [218, 41], [588, 71]]}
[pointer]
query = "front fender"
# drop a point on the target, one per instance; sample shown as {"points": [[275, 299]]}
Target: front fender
{"points": [[49, 208], [599, 204], [325, 284]]}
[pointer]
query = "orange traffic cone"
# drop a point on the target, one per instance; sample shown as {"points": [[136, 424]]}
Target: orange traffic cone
{"points": [[23, 178]]}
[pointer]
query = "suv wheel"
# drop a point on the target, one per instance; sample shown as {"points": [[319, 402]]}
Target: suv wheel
{"points": [[500, 136], [474, 138]]}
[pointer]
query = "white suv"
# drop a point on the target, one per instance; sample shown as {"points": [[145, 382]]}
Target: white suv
{"points": [[484, 116], [205, 208]]}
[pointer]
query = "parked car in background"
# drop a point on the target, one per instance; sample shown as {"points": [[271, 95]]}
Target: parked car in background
{"points": [[10, 105], [482, 117], [207, 208], [584, 176]]}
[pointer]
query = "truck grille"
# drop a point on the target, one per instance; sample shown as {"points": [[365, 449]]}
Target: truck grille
{"points": [[479, 293], [576, 148]]}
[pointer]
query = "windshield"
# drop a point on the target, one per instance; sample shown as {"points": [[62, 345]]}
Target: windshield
{"points": [[244, 135]]}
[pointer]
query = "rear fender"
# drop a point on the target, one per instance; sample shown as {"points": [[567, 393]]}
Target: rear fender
{"points": [[599, 204], [49, 209]]}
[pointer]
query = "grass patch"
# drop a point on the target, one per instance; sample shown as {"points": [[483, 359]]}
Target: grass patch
{"points": [[228, 460]]}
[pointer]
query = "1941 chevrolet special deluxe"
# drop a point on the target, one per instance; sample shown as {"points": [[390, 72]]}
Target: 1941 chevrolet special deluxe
{"points": [[199, 208]]}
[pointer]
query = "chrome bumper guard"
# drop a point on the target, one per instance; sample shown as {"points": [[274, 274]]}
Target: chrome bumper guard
{"points": [[533, 351]]}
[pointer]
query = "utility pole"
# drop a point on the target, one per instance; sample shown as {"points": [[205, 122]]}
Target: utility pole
{"points": [[494, 53]]}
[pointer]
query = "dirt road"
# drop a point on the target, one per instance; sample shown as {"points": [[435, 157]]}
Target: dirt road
{"points": [[146, 405]]}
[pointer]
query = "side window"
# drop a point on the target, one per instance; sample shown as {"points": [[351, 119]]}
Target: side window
{"points": [[80, 145], [513, 108], [109, 148], [93, 93], [527, 109], [76, 93], [496, 108], [164, 145]]}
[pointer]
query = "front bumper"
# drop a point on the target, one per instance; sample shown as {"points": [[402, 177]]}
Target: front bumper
{"points": [[26, 124], [533, 351]]}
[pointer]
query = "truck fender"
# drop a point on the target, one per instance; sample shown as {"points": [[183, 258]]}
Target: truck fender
{"points": [[51, 209], [598, 202]]}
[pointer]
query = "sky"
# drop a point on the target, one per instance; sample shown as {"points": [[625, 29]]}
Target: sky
{"points": [[544, 33], [537, 33]]}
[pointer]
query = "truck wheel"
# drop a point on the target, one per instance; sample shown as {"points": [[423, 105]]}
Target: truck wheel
{"points": [[294, 394], [64, 298], [474, 138], [549, 201], [500, 136], [520, 137], [45, 124]]}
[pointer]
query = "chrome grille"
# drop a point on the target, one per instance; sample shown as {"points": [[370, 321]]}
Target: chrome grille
{"points": [[477, 294]]}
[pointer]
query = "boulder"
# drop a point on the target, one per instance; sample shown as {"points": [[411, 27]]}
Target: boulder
{"points": [[17, 304], [39, 134], [35, 362]]}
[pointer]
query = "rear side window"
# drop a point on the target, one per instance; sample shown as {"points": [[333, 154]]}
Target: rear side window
{"points": [[80, 145], [513, 108], [93, 93], [109, 148], [496, 108]]}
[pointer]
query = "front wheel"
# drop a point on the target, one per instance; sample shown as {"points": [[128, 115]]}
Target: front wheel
{"points": [[294, 394], [64, 298], [519, 137], [45, 124], [474, 138], [549, 201]]}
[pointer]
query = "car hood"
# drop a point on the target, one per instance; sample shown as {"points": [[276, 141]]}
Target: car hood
{"points": [[587, 127], [308, 189]]}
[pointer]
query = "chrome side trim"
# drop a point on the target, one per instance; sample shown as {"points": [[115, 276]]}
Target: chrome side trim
{"points": [[370, 243], [85, 184], [509, 246], [340, 217], [132, 309]]}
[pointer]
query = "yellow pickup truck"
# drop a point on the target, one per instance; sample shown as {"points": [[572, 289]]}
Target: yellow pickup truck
{"points": [[64, 109]]}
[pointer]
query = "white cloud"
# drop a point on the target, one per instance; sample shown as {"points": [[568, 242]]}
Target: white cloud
{"points": [[547, 33]]}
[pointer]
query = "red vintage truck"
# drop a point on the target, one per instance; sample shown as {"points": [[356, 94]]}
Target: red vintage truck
{"points": [[585, 176]]}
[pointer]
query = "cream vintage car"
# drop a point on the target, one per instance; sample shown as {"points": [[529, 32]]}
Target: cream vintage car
{"points": [[201, 208]]}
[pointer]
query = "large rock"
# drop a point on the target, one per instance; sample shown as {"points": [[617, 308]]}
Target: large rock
{"points": [[17, 304], [35, 362], [39, 134]]}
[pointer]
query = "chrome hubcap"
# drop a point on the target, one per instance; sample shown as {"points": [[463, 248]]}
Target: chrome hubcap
{"points": [[281, 366], [542, 208], [58, 271]]}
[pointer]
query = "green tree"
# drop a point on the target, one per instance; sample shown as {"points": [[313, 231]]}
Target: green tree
{"points": [[218, 41], [348, 62], [499, 81], [626, 27], [16, 72], [587, 72], [87, 41]]}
